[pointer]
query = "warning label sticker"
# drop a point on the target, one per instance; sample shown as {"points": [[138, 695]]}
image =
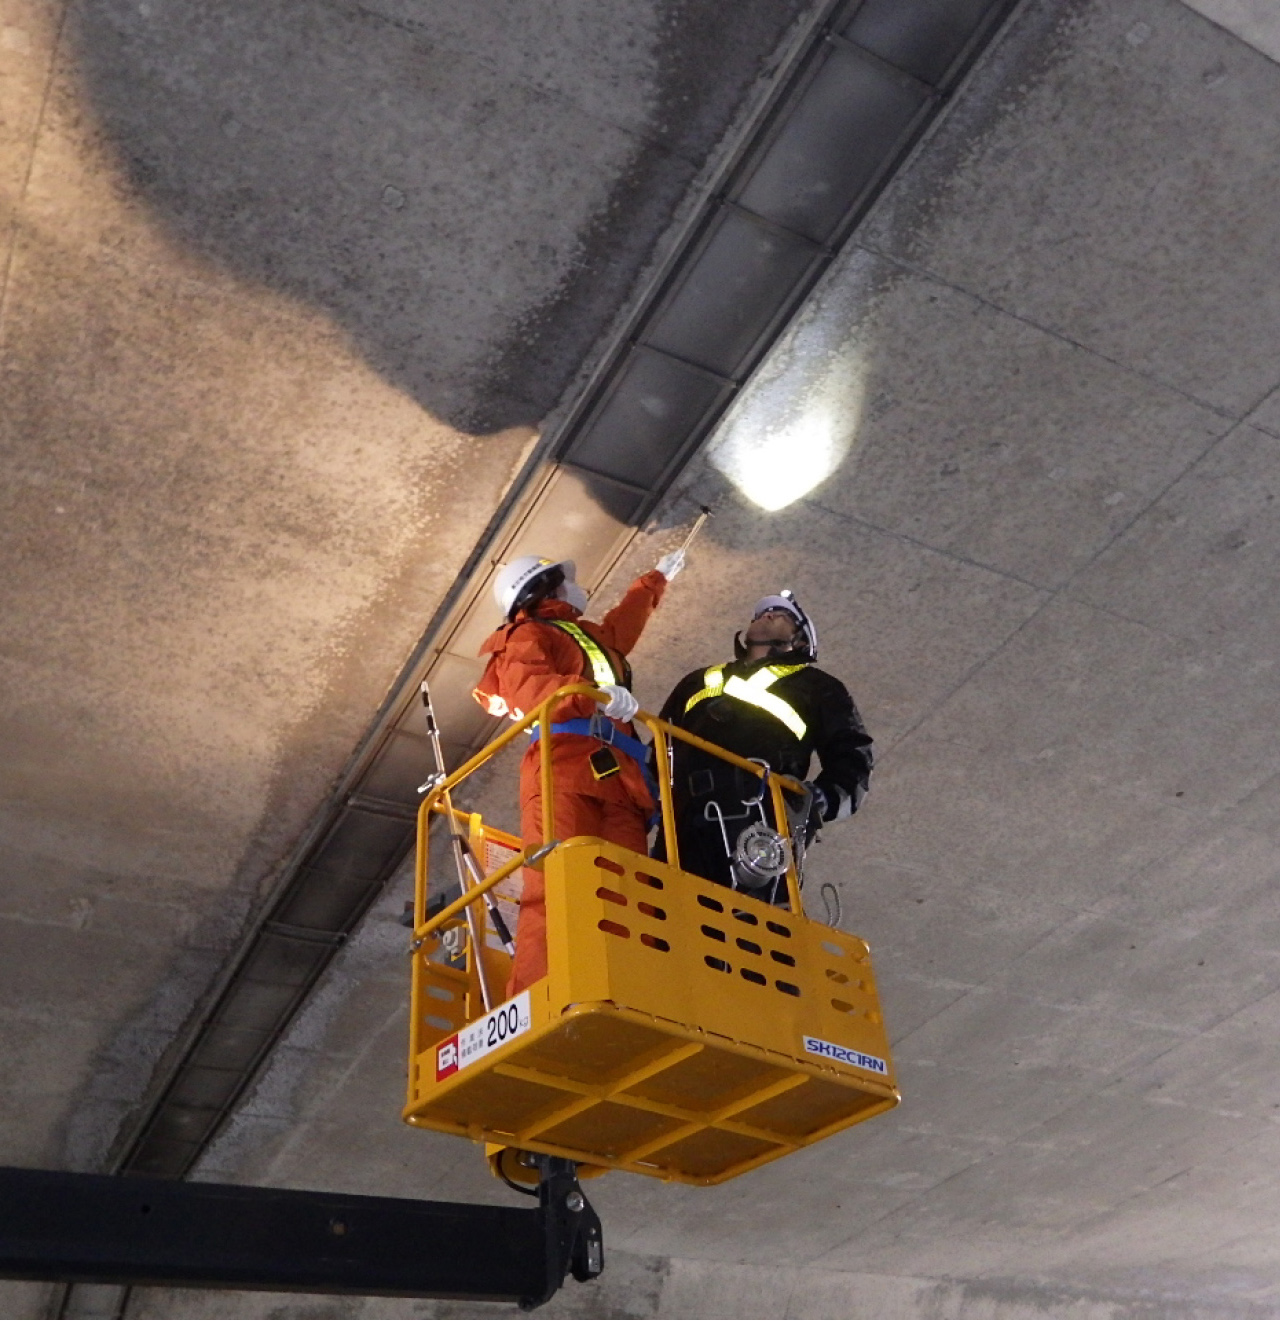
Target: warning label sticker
{"points": [[846, 1055], [495, 1030]]}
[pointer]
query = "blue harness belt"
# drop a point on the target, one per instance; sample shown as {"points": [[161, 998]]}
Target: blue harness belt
{"points": [[598, 727]]}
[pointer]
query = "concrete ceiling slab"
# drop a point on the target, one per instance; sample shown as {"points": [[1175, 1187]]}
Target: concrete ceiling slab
{"points": [[1226, 877], [943, 438], [1154, 200], [284, 297], [1173, 570], [360, 163], [1260, 811], [1254, 21], [1038, 545], [1179, 980], [995, 1030], [1039, 1221], [1127, 721]]}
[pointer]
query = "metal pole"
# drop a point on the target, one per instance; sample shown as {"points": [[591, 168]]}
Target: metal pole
{"points": [[459, 856], [667, 799], [697, 527], [783, 821]]}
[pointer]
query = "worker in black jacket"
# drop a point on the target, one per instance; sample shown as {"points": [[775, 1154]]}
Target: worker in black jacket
{"points": [[772, 704]]}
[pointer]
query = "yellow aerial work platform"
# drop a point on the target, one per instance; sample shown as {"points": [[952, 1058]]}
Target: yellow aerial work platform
{"points": [[684, 1030]]}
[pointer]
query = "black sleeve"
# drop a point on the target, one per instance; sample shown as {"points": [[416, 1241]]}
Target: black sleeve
{"points": [[673, 708], [843, 747]]}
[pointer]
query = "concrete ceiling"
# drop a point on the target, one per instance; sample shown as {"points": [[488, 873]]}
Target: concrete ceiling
{"points": [[254, 425]]}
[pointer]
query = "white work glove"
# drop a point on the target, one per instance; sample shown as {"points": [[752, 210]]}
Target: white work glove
{"points": [[670, 565], [622, 704]]}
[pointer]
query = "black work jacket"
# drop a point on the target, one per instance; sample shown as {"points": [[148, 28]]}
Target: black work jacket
{"points": [[834, 731]]}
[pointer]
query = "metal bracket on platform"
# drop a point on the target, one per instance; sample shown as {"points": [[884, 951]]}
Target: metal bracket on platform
{"points": [[575, 1239]]}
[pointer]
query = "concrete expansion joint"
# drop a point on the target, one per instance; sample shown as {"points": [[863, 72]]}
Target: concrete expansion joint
{"points": [[1052, 595], [1154, 500], [858, 521], [927, 273], [1065, 594]]}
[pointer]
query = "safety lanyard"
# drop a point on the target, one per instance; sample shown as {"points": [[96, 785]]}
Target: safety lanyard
{"points": [[601, 667], [753, 690]]}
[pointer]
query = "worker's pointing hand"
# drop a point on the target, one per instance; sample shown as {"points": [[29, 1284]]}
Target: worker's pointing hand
{"points": [[622, 704]]}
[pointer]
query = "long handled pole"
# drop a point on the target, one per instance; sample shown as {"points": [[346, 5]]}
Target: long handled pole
{"points": [[461, 858], [697, 527], [665, 752], [462, 843]]}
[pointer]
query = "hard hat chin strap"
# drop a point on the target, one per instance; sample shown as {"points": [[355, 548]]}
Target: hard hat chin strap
{"points": [[804, 625]]}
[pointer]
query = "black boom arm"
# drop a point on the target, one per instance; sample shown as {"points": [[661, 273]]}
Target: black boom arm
{"points": [[133, 1230]]}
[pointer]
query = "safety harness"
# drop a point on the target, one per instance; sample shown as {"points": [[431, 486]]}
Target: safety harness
{"points": [[754, 689], [598, 726], [602, 670]]}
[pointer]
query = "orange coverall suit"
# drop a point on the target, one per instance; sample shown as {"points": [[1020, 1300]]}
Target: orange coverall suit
{"points": [[528, 660]]}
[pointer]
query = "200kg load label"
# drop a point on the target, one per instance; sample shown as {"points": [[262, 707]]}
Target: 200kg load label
{"points": [[495, 1030], [846, 1055]]}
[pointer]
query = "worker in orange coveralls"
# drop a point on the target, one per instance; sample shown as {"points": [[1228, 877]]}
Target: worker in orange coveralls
{"points": [[598, 764]]}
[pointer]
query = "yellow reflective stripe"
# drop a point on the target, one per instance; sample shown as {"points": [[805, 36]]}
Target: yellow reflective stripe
{"points": [[601, 668], [755, 691], [758, 695], [713, 678]]}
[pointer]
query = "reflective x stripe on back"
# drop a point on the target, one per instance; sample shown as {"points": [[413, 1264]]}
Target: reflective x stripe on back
{"points": [[753, 690], [602, 671]]}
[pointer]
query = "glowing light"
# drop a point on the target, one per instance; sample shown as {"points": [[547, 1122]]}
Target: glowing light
{"points": [[795, 425], [773, 469]]}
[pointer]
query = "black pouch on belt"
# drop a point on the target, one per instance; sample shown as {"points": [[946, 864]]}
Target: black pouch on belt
{"points": [[604, 764]]}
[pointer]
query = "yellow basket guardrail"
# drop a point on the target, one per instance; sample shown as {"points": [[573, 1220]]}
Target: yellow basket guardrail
{"points": [[684, 1030]]}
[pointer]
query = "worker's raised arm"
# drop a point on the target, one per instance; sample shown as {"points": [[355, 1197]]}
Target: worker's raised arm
{"points": [[622, 626]]}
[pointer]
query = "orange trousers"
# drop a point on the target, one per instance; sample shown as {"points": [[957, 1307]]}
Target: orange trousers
{"points": [[598, 807]]}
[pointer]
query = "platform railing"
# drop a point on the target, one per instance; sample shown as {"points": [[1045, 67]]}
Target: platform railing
{"points": [[533, 852]]}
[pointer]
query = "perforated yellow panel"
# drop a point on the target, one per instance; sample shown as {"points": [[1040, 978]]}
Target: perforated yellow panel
{"points": [[683, 1030]]}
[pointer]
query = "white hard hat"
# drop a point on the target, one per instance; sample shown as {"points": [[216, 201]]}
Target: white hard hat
{"points": [[777, 604], [787, 602], [512, 579]]}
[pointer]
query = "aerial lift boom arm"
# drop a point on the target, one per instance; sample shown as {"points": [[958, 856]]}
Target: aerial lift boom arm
{"points": [[135, 1230]]}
